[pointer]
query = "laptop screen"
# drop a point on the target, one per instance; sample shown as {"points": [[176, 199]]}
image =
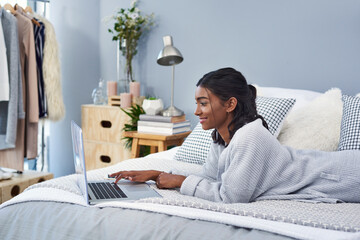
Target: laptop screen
{"points": [[79, 159]]}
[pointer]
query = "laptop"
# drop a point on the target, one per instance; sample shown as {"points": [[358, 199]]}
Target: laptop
{"points": [[104, 191]]}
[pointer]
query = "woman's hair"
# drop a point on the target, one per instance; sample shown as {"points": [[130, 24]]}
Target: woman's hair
{"points": [[226, 83]]}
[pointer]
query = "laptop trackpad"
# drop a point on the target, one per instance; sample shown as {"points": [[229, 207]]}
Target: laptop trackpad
{"points": [[137, 188]]}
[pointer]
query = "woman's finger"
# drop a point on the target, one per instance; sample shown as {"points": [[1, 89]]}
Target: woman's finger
{"points": [[118, 178]]}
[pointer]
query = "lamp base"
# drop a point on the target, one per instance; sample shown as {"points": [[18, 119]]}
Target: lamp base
{"points": [[172, 111]]}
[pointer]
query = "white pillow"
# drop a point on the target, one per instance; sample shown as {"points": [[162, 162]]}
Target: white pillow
{"points": [[315, 126], [302, 97]]}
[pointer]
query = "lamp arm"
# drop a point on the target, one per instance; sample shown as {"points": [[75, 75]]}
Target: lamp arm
{"points": [[172, 85]]}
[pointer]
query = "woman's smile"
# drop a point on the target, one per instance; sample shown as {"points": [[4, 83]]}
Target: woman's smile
{"points": [[202, 120]]}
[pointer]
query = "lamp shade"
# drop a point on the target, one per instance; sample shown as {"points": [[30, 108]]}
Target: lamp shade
{"points": [[169, 55]]}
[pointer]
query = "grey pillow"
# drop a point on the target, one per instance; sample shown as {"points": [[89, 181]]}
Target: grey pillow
{"points": [[350, 124], [196, 146], [274, 110]]}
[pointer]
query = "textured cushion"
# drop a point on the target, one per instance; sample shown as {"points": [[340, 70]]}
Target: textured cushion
{"points": [[196, 146], [316, 125], [274, 111], [350, 124]]}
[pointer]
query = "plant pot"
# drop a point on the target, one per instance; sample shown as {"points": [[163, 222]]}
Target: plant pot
{"points": [[153, 107]]}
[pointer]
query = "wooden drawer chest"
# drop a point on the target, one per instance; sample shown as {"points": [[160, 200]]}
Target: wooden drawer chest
{"points": [[102, 131], [17, 184]]}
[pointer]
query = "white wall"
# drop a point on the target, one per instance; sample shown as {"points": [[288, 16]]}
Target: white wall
{"points": [[303, 44]]}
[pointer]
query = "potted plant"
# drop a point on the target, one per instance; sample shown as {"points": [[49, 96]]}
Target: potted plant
{"points": [[134, 112], [129, 26], [153, 105]]}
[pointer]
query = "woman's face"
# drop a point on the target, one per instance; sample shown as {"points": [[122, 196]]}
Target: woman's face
{"points": [[210, 110]]}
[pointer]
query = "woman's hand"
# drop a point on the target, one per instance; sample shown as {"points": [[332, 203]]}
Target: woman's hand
{"points": [[136, 176], [167, 180]]}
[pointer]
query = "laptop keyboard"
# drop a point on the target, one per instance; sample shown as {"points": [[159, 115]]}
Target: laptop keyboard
{"points": [[106, 190]]}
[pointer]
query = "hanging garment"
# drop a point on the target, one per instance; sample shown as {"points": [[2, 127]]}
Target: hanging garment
{"points": [[52, 73], [12, 110], [39, 38], [4, 74], [39, 34], [28, 66]]}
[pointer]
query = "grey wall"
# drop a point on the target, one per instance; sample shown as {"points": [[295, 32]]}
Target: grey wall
{"points": [[305, 44], [77, 29]]}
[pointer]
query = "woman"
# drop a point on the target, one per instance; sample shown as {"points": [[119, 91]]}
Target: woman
{"points": [[247, 163]]}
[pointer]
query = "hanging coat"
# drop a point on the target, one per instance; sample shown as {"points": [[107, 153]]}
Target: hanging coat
{"points": [[29, 74], [52, 73], [12, 110]]}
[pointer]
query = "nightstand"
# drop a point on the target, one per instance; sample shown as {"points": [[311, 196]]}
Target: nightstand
{"points": [[17, 184], [157, 143], [102, 132]]}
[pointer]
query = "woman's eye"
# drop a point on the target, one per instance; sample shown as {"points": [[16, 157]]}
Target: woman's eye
{"points": [[203, 104]]}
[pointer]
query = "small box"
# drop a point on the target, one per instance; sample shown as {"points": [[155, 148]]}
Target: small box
{"points": [[114, 101]]}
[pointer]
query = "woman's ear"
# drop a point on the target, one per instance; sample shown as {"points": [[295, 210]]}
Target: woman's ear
{"points": [[231, 104]]}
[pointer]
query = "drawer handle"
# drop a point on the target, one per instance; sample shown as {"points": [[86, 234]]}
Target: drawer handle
{"points": [[106, 124], [105, 159], [15, 190], [41, 180]]}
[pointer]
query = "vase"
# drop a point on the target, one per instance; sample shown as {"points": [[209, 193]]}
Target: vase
{"points": [[121, 69], [153, 107], [123, 85]]}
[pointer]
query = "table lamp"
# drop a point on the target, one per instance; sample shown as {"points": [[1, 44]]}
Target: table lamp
{"points": [[170, 56]]}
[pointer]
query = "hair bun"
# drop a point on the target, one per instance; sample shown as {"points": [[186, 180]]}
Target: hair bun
{"points": [[252, 91]]}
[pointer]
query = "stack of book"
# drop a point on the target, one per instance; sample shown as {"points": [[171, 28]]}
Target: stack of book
{"points": [[157, 124]]}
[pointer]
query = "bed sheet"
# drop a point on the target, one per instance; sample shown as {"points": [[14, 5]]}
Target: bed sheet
{"points": [[46, 206], [52, 220]]}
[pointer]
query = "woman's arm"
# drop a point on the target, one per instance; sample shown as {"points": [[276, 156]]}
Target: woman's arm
{"points": [[162, 179], [167, 180]]}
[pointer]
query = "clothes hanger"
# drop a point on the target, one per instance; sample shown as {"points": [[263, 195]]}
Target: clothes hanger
{"points": [[33, 20], [10, 8], [28, 9]]}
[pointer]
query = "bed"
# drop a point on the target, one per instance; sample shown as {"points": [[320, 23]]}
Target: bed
{"points": [[55, 209]]}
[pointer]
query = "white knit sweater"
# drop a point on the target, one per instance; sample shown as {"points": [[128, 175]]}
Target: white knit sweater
{"points": [[255, 166]]}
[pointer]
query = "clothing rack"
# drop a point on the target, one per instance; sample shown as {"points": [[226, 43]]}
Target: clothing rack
{"points": [[35, 6], [41, 10]]}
